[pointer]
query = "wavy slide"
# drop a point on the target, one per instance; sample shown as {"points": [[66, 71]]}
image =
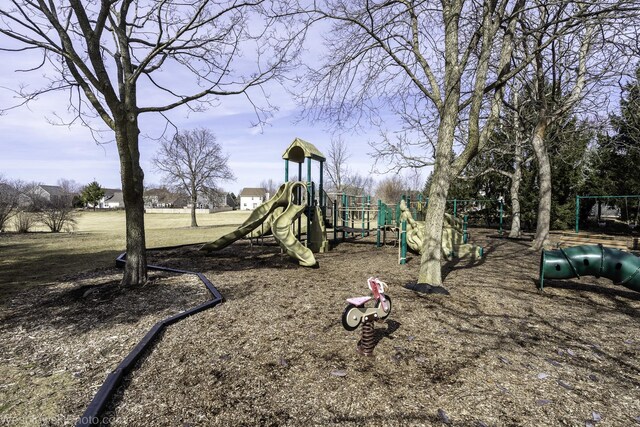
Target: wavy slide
{"points": [[283, 232], [621, 267], [452, 237], [280, 225]]}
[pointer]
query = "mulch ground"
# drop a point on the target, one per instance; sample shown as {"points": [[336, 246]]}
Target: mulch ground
{"points": [[493, 351]]}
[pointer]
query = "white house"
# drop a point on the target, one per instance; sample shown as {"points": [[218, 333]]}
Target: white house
{"points": [[112, 199], [251, 198]]}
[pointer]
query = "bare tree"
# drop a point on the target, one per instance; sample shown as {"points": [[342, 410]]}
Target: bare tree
{"points": [[390, 190], [270, 185], [192, 161], [567, 70], [358, 184], [509, 142], [441, 66], [105, 53], [70, 186], [58, 213], [9, 199], [439, 62], [336, 165]]}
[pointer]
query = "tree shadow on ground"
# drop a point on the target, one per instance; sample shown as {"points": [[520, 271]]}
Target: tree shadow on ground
{"points": [[98, 302], [611, 293]]}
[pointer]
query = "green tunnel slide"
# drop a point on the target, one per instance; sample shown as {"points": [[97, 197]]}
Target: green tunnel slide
{"points": [[619, 266]]}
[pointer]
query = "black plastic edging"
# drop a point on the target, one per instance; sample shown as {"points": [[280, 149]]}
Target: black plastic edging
{"points": [[103, 396]]}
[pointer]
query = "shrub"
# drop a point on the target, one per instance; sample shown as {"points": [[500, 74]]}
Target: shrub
{"points": [[24, 221]]}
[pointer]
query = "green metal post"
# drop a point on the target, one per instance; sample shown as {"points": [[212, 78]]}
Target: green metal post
{"points": [[455, 208], [368, 214], [286, 170], [309, 199], [352, 215], [577, 214], [299, 200], [362, 216], [380, 216], [335, 220], [323, 202], [345, 202], [403, 243]]}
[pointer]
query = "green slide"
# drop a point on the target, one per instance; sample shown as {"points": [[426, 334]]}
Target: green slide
{"points": [[619, 266], [257, 217], [280, 224], [283, 232]]}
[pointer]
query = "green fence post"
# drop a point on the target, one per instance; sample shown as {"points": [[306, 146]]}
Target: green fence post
{"points": [[403, 243], [362, 214], [380, 216], [455, 208], [368, 214], [321, 199], [335, 220], [577, 214], [344, 213]]}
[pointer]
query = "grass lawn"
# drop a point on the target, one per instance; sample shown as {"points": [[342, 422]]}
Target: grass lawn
{"points": [[35, 258]]}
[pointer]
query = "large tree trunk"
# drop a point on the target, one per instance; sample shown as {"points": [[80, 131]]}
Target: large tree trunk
{"points": [[544, 181], [514, 191], [132, 177], [194, 201], [430, 268]]}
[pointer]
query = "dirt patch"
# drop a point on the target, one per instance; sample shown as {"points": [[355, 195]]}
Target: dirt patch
{"points": [[493, 351], [59, 341]]}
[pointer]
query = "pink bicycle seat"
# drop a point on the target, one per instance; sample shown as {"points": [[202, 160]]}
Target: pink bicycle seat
{"points": [[358, 301]]}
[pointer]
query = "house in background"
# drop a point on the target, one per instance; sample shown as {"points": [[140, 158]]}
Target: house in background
{"points": [[216, 200], [113, 199], [160, 198], [164, 200], [251, 198], [50, 193]]}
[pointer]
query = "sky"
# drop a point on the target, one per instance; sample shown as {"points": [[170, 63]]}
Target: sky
{"points": [[33, 149]]}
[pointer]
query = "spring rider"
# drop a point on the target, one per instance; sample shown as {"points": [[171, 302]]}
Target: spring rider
{"points": [[356, 313]]}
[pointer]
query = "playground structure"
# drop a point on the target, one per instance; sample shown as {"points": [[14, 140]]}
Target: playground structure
{"points": [[356, 314], [350, 211], [278, 215], [454, 236], [298, 217], [622, 268], [401, 218]]}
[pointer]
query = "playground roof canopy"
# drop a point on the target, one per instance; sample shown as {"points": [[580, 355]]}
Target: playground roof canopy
{"points": [[301, 149]]}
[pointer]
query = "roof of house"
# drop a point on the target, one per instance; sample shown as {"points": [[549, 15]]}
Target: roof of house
{"points": [[301, 149], [54, 190], [109, 192], [253, 192], [116, 197]]}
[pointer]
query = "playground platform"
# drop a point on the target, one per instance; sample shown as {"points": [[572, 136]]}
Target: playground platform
{"points": [[569, 238]]}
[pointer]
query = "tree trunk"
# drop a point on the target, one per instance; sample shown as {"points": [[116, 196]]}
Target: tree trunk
{"points": [[514, 191], [541, 239], [430, 268], [194, 201], [132, 177]]}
